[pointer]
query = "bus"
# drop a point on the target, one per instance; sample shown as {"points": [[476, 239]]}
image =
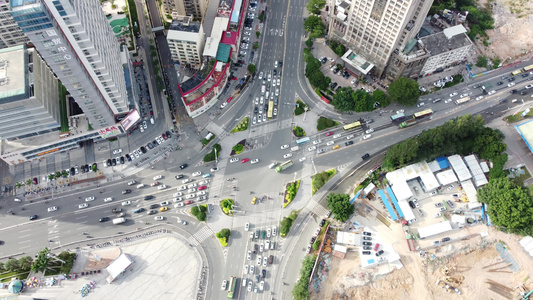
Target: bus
{"points": [[516, 72], [422, 114], [232, 283], [351, 126], [528, 68], [270, 109], [303, 141], [397, 117], [462, 100]]}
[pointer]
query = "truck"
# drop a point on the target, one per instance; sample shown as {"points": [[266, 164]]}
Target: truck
{"points": [[119, 221], [284, 166], [408, 123]]}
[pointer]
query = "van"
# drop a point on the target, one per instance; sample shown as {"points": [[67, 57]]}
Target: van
{"points": [[295, 148], [436, 100], [263, 89], [119, 221], [272, 165], [267, 94], [152, 121], [139, 186]]}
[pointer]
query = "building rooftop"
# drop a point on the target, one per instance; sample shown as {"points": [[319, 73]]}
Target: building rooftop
{"points": [[13, 67], [357, 61], [185, 26], [229, 37], [447, 40]]}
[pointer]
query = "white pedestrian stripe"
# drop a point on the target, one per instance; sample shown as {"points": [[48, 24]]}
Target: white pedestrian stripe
{"points": [[201, 236], [319, 210]]}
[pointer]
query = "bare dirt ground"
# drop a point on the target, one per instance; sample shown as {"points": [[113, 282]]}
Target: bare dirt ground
{"points": [[474, 263], [513, 29]]}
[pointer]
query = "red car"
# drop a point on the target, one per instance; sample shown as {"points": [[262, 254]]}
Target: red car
{"points": [[329, 133], [188, 202], [376, 247], [244, 160], [229, 99], [203, 187], [164, 136]]}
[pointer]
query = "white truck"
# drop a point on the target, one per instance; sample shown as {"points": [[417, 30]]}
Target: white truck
{"points": [[119, 221]]}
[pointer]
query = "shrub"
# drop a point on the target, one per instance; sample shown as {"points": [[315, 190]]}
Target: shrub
{"points": [[223, 236], [319, 179], [227, 205], [300, 107], [205, 141], [243, 125], [298, 131], [238, 148], [286, 223], [199, 212], [211, 155], [290, 192]]}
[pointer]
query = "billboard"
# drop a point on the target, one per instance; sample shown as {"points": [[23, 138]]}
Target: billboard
{"points": [[130, 119], [110, 131]]}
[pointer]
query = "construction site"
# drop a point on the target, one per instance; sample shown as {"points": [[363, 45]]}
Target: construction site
{"points": [[489, 266]]}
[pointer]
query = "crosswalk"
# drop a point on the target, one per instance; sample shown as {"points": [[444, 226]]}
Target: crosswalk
{"points": [[200, 236], [318, 209], [53, 229]]}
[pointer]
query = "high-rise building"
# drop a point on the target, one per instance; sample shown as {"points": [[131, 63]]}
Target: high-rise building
{"points": [[29, 94], [195, 8], [186, 40], [375, 29], [76, 41], [10, 32]]}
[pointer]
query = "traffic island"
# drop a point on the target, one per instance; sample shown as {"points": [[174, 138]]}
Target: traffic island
{"points": [[298, 131], [319, 179], [199, 212], [238, 148], [290, 192], [286, 223], [242, 126], [223, 236], [227, 206]]}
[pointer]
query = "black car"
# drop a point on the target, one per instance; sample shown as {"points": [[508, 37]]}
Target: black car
{"points": [[104, 219], [280, 63], [87, 168], [523, 93], [322, 222], [379, 252], [179, 176], [122, 159], [256, 110], [109, 163], [258, 278], [72, 171], [505, 77], [113, 162], [150, 146], [367, 243], [143, 149], [183, 166], [348, 143], [33, 217], [367, 248], [367, 252], [313, 239], [367, 233], [275, 72], [476, 86], [155, 143], [366, 156], [446, 239], [511, 79], [82, 169], [168, 134], [333, 85], [128, 157], [411, 203], [513, 91], [148, 197], [499, 83], [264, 273], [255, 248], [124, 192], [525, 75], [154, 206], [367, 238]]}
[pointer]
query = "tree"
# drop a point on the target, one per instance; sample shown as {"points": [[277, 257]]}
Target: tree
{"points": [[41, 262], [257, 34], [339, 50], [343, 99], [381, 98], [314, 6], [224, 233], [489, 143], [301, 288], [404, 91], [312, 66], [255, 46], [261, 16], [25, 263], [482, 61], [315, 26], [340, 206], [309, 42], [317, 79], [199, 212], [12, 265], [251, 68], [324, 123], [510, 206]]}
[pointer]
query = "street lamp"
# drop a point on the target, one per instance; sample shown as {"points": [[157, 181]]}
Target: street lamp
{"points": [[306, 108], [216, 157]]}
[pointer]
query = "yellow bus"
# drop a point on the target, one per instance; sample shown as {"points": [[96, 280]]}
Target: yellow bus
{"points": [[270, 109], [351, 126], [516, 72], [423, 113], [528, 68]]}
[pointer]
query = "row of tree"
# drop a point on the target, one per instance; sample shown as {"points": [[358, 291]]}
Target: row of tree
{"points": [[301, 288], [346, 99], [312, 71]]}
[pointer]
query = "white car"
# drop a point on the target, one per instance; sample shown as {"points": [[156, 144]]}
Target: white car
{"points": [[264, 118], [192, 185], [158, 177], [301, 160], [268, 235], [53, 208], [108, 199], [89, 199], [223, 104], [252, 269], [491, 92], [254, 120], [246, 267], [178, 205], [262, 283], [351, 136], [400, 111], [278, 81], [367, 136], [162, 187], [254, 161], [261, 100], [191, 190], [246, 226], [312, 148], [269, 77], [83, 205], [164, 203], [190, 196], [204, 182], [448, 101], [274, 230], [117, 151], [200, 193], [511, 84], [186, 180], [126, 203], [132, 182], [261, 248], [177, 199], [159, 218], [317, 142], [338, 135], [284, 147], [369, 130], [256, 100], [454, 94], [275, 111], [330, 143], [267, 244], [260, 75], [479, 98], [145, 125], [178, 194], [197, 173], [259, 118], [224, 284], [235, 159], [259, 260], [182, 188], [17, 200], [287, 155], [463, 95], [249, 288], [265, 260]]}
